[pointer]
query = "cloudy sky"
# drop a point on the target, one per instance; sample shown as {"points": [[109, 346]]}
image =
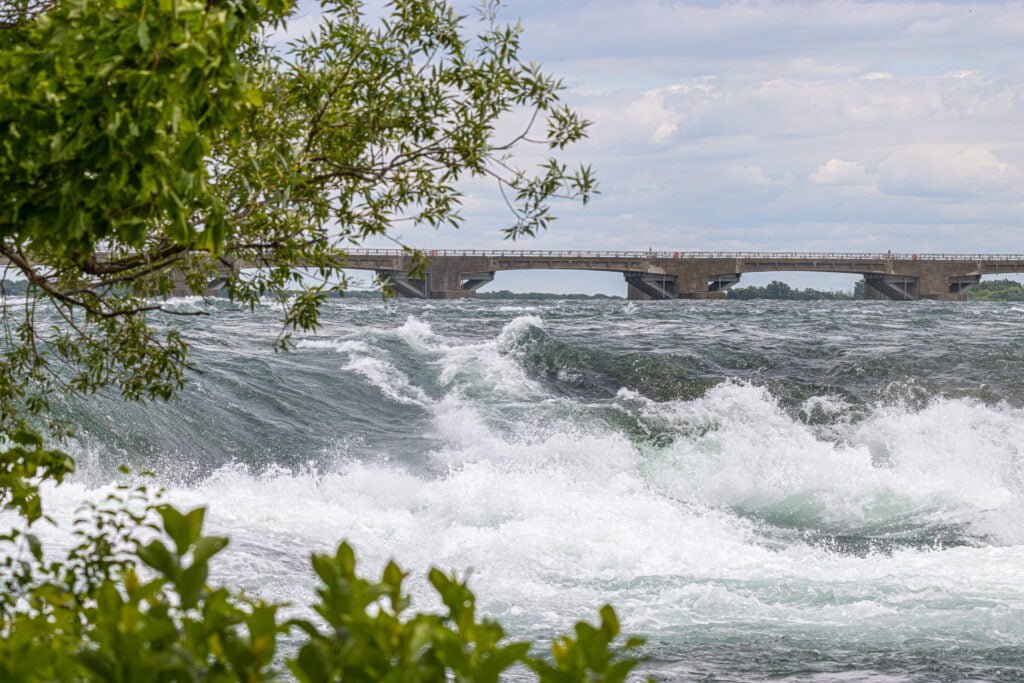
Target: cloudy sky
{"points": [[778, 126]]}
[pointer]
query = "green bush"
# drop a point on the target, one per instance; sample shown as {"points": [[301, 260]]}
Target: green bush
{"points": [[132, 603]]}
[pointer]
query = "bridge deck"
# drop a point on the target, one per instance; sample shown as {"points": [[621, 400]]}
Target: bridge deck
{"points": [[698, 255], [453, 273], [456, 273]]}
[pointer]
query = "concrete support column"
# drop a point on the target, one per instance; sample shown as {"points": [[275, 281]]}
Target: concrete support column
{"points": [[961, 283], [722, 283], [894, 287], [225, 271], [403, 285], [634, 294], [873, 294], [697, 284], [181, 287], [658, 286], [938, 286], [474, 281], [446, 283], [443, 278]]}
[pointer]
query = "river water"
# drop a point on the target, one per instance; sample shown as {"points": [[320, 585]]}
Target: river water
{"points": [[804, 490]]}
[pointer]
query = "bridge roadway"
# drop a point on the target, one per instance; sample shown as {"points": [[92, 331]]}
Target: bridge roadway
{"points": [[687, 274]]}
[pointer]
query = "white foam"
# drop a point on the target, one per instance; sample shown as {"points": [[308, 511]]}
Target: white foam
{"points": [[830, 406], [554, 526], [388, 379], [339, 345], [558, 516], [490, 366], [464, 367], [516, 309], [953, 462], [416, 333]]}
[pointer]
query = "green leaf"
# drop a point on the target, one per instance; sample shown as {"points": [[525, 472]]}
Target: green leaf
{"points": [[98, 664], [184, 529], [392, 575], [142, 34], [35, 547], [263, 621], [609, 622], [207, 547], [156, 555], [27, 437], [345, 558], [190, 583], [311, 665]]}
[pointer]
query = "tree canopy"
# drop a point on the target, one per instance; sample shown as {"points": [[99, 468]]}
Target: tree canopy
{"points": [[147, 146], [781, 291], [153, 145], [996, 290]]}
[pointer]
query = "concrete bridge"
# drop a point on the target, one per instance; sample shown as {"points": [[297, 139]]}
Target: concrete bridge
{"points": [[455, 274]]}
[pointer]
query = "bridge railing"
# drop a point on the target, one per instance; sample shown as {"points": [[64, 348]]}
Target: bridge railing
{"points": [[681, 254]]}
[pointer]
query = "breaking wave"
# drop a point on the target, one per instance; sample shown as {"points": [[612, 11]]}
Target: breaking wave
{"points": [[778, 499]]}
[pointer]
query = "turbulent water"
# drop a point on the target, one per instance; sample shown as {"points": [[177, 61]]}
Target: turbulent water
{"points": [[762, 489]]}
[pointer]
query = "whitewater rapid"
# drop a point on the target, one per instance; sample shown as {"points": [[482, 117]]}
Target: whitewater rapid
{"points": [[840, 526]]}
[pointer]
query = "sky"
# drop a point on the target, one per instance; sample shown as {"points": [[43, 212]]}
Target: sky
{"points": [[776, 126]]}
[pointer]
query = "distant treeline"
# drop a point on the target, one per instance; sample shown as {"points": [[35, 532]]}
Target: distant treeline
{"points": [[499, 294], [991, 290], [997, 290], [535, 296], [780, 291]]}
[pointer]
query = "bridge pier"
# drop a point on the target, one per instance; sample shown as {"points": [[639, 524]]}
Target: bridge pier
{"points": [[634, 294], [181, 286], [225, 271], [656, 286], [721, 283], [403, 285], [684, 284], [443, 280], [933, 286], [894, 287], [942, 286], [474, 281], [960, 284], [696, 282]]}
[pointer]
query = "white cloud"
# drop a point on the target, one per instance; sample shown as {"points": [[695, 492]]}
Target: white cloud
{"points": [[950, 171], [813, 66], [839, 172], [756, 124], [963, 73], [750, 176], [826, 32]]}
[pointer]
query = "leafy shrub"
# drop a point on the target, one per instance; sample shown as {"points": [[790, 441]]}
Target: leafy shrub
{"points": [[131, 602]]}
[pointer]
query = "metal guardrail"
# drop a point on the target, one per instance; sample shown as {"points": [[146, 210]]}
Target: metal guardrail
{"points": [[748, 255]]}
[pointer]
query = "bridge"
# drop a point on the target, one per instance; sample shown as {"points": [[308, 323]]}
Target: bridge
{"points": [[453, 274]]}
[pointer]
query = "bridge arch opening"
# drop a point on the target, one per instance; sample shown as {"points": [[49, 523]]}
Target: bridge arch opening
{"points": [[1012, 277], [564, 282], [850, 284]]}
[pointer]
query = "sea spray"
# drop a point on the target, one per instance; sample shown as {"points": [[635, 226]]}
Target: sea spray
{"points": [[761, 489]]}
